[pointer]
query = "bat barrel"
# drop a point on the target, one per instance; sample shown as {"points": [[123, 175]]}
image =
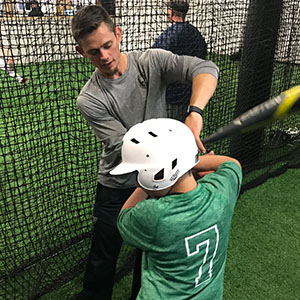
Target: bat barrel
{"points": [[222, 133], [257, 117]]}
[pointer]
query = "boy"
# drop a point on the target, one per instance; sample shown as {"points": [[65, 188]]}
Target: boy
{"points": [[183, 226]]}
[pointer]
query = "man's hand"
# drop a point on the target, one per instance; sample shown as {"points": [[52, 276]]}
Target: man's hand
{"points": [[194, 122]]}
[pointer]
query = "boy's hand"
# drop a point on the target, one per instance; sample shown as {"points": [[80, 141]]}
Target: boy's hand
{"points": [[201, 174]]}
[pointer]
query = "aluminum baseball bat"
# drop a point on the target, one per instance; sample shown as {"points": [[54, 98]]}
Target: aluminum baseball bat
{"points": [[267, 112]]}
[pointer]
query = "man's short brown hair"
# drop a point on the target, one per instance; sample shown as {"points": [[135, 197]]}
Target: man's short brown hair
{"points": [[88, 19]]}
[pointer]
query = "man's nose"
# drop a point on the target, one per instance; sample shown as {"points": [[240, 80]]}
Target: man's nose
{"points": [[103, 54]]}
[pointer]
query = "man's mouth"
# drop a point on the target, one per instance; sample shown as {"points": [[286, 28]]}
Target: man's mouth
{"points": [[107, 65]]}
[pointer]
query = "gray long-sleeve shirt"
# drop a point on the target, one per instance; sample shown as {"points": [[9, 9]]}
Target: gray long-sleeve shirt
{"points": [[112, 106]]}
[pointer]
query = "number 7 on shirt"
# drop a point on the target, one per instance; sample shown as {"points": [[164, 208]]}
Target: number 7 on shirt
{"points": [[203, 240]]}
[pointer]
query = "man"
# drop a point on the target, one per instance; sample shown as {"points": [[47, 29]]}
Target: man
{"points": [[125, 89], [35, 10], [181, 38], [8, 66], [182, 225]]}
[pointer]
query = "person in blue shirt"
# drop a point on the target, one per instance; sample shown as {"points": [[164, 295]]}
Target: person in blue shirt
{"points": [[36, 10], [181, 38]]}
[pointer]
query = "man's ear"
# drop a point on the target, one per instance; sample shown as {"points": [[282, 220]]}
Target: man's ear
{"points": [[119, 34], [79, 50]]}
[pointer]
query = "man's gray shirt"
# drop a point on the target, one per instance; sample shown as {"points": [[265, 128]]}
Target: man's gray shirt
{"points": [[112, 106]]}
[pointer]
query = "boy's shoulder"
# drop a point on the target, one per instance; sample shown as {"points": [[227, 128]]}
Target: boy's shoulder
{"points": [[230, 165], [228, 169], [227, 178]]}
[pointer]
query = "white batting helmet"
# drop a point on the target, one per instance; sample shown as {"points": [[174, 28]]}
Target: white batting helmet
{"points": [[160, 150]]}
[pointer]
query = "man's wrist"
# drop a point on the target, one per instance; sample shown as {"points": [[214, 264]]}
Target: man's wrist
{"points": [[192, 108]]}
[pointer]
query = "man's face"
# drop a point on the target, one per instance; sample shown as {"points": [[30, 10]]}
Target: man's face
{"points": [[102, 48], [170, 15]]}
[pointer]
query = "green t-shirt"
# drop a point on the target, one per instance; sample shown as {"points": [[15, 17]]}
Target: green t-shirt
{"points": [[184, 237]]}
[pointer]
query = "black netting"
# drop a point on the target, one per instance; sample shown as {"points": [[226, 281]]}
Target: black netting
{"points": [[49, 156]]}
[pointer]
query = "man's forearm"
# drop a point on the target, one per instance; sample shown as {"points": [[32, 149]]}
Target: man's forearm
{"points": [[203, 88]]}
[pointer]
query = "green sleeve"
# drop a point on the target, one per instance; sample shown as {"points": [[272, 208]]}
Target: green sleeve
{"points": [[227, 179], [137, 225]]}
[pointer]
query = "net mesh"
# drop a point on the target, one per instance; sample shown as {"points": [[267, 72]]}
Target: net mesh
{"points": [[49, 156]]}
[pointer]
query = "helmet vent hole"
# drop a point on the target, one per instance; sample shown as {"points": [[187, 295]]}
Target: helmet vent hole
{"points": [[174, 163], [135, 141], [152, 133], [159, 175]]}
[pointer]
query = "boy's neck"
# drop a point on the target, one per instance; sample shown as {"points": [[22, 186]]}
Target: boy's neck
{"points": [[185, 183]]}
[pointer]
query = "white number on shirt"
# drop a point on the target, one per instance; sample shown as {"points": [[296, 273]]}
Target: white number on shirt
{"points": [[208, 240]]}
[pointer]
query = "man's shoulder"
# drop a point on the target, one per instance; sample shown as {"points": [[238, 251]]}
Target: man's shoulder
{"points": [[145, 57], [147, 53], [183, 26]]}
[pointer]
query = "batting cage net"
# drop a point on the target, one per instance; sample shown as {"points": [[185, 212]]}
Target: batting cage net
{"points": [[49, 155]]}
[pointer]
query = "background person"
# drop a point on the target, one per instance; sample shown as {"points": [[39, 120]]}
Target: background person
{"points": [[181, 38], [35, 10], [7, 65], [183, 226], [125, 89]]}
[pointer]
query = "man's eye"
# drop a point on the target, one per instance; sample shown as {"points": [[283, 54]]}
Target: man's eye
{"points": [[107, 46]]}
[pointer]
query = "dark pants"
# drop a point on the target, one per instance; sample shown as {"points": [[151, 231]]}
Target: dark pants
{"points": [[106, 243]]}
